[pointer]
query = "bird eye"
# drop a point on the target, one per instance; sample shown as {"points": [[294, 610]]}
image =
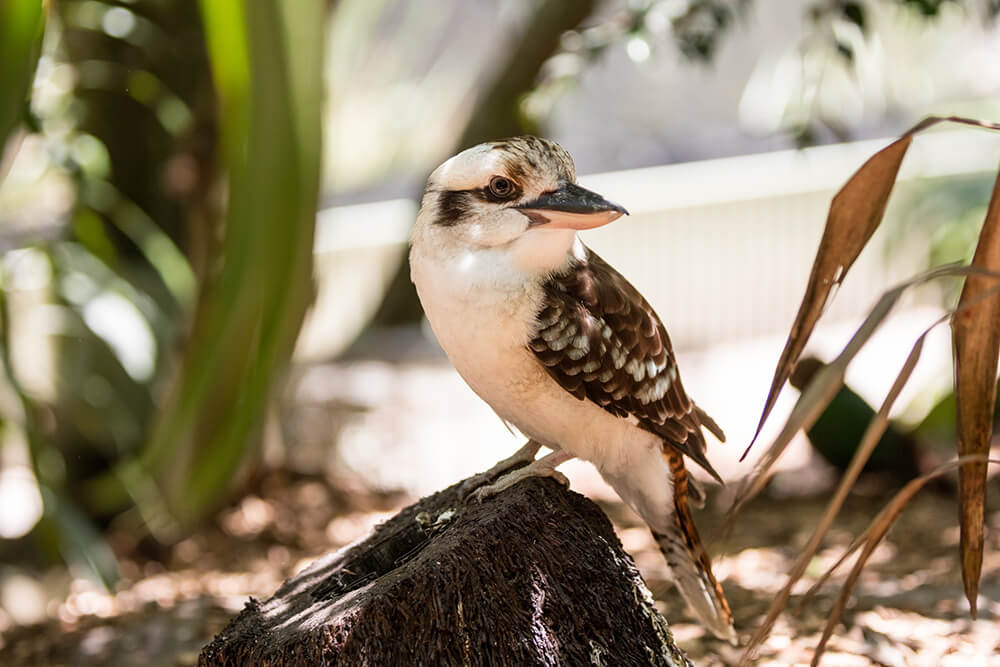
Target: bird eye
{"points": [[501, 187]]}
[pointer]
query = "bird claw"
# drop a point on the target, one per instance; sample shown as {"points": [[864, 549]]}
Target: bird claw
{"points": [[559, 477], [483, 492], [473, 484]]}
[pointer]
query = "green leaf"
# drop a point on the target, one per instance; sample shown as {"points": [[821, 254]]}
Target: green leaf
{"points": [[22, 23], [266, 63]]}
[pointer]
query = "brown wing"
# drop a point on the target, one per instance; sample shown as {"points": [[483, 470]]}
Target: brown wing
{"points": [[601, 340]]}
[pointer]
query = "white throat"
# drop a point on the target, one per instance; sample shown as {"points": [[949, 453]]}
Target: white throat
{"points": [[541, 251], [461, 265]]}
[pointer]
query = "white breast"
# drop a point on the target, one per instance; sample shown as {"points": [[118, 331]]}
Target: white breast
{"points": [[483, 314]]}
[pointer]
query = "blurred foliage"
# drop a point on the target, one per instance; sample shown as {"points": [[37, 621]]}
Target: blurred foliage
{"points": [[114, 269], [177, 270], [694, 27], [497, 112], [838, 35], [136, 232], [847, 59], [21, 26], [948, 214], [828, 13]]}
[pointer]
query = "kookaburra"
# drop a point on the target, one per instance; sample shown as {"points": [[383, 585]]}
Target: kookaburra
{"points": [[559, 344]]}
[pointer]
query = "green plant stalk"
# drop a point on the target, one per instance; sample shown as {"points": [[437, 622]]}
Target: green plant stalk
{"points": [[266, 60], [22, 25]]}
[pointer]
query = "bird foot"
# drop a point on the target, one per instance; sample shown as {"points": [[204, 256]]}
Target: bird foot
{"points": [[543, 467], [524, 455]]}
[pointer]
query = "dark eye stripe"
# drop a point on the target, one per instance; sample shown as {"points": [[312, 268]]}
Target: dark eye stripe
{"points": [[453, 205]]}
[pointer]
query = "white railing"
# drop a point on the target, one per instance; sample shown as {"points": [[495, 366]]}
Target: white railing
{"points": [[721, 248]]}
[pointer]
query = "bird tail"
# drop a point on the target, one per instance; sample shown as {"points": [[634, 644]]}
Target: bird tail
{"points": [[689, 563]]}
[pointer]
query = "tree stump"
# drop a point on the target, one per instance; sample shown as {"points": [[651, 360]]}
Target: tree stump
{"points": [[532, 576]]}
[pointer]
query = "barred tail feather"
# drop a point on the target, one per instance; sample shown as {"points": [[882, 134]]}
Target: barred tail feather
{"points": [[689, 563], [699, 587]]}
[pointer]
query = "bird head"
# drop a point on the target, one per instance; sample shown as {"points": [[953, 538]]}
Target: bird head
{"points": [[517, 196]]}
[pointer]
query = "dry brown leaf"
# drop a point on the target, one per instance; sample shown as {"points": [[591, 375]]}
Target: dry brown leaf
{"points": [[867, 445], [830, 383], [855, 214], [826, 384], [874, 534], [976, 337]]}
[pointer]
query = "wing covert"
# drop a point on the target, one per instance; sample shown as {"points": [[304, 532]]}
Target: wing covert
{"points": [[601, 341]]}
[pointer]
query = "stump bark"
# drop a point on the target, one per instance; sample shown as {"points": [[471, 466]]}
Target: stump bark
{"points": [[532, 576]]}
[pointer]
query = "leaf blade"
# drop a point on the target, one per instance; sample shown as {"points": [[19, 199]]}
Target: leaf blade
{"points": [[869, 440], [976, 340], [266, 64], [828, 381], [863, 197]]}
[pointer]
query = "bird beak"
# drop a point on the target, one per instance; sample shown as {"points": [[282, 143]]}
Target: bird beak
{"points": [[571, 207]]}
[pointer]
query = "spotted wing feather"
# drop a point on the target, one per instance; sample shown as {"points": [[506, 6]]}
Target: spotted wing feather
{"points": [[601, 341]]}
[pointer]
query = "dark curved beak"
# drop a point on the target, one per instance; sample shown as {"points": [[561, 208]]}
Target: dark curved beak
{"points": [[571, 207]]}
